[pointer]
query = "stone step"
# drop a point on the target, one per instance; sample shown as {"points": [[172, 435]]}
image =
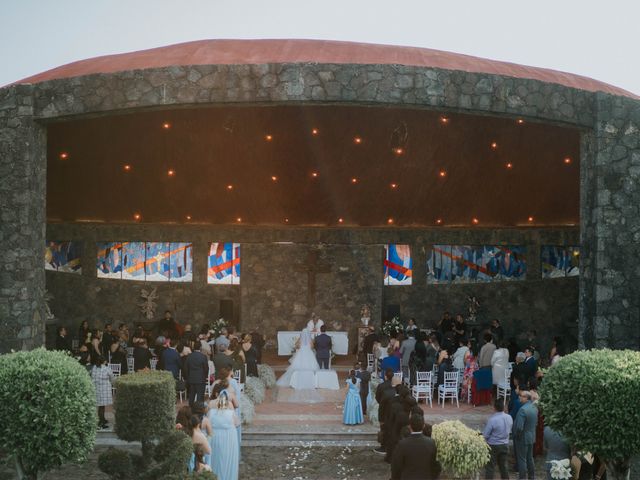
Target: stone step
{"points": [[309, 443]]}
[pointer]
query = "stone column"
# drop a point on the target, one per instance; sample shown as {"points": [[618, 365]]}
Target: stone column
{"points": [[22, 221], [610, 226]]}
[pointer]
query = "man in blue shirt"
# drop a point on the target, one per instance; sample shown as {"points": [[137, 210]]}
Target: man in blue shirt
{"points": [[496, 433]]}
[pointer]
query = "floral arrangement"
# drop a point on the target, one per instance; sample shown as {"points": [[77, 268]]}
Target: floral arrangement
{"points": [[267, 375], [462, 452], [561, 469], [254, 388], [217, 327], [247, 410], [392, 327]]}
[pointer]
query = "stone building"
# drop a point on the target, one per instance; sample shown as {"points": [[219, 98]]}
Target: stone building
{"points": [[313, 157]]}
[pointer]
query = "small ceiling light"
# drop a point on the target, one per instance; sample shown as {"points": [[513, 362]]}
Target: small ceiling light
{"points": [[576, 253], [166, 125], [354, 180], [475, 221], [439, 221], [509, 165], [390, 221], [171, 172], [567, 160], [394, 185], [137, 216], [239, 219], [530, 219], [357, 140], [286, 220], [520, 121], [127, 168], [314, 174], [229, 187], [444, 120], [315, 131], [64, 155], [340, 220], [398, 150], [274, 178], [494, 145], [442, 173], [268, 137], [188, 217]]}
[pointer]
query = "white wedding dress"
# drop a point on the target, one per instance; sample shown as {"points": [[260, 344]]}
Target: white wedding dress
{"points": [[300, 375]]}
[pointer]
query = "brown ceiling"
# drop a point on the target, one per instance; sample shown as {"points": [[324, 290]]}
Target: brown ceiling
{"points": [[214, 147]]}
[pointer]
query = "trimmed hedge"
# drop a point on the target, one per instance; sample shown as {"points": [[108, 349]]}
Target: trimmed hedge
{"points": [[47, 410], [462, 451], [145, 405], [172, 455]]}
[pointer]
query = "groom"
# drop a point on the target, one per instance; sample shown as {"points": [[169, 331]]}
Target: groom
{"points": [[322, 344]]}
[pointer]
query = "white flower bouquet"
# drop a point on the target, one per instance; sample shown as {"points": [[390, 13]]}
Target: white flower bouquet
{"points": [[561, 469], [462, 452], [217, 327], [267, 375], [254, 389], [392, 327], [247, 410]]}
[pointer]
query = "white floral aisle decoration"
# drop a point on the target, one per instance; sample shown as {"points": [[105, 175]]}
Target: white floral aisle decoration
{"points": [[392, 327], [462, 452], [267, 375], [247, 410], [561, 469], [254, 388]]}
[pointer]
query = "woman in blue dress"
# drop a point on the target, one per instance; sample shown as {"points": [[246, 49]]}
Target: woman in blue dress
{"points": [[352, 404], [225, 449]]}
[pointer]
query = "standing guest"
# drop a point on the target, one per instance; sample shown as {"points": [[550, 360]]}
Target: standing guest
{"points": [[499, 363], [201, 459], [383, 391], [119, 356], [414, 458], [102, 378], [236, 353], [196, 369], [226, 450], [459, 328], [138, 335], [497, 331], [433, 351], [368, 342], [556, 447], [513, 349], [188, 337], [63, 342], [486, 352], [250, 356], [221, 359], [519, 374], [123, 335], [524, 435], [171, 359], [530, 363], [411, 327], [198, 438], [183, 418], [83, 333], [470, 366], [352, 414], [557, 351], [420, 353], [496, 433], [323, 344], [364, 376], [107, 340], [222, 339], [96, 343], [460, 355], [84, 355], [141, 356], [406, 349], [445, 324], [257, 339]]}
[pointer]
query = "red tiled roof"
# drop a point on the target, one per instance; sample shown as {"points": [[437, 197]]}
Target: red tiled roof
{"points": [[230, 52]]}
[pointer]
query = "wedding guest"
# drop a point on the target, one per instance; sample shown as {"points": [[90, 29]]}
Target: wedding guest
{"points": [[119, 356], [414, 458], [171, 359], [459, 328], [84, 355], [196, 369], [352, 412], [557, 351], [406, 349], [445, 324], [496, 433], [236, 353], [497, 331], [411, 327], [201, 459], [84, 333], [486, 352], [63, 343], [530, 363], [96, 344], [524, 435], [470, 366], [123, 335], [102, 378], [138, 335], [258, 341], [459, 357], [107, 339], [556, 448], [364, 376], [221, 359], [183, 418], [222, 339], [384, 391], [444, 365], [250, 355], [390, 361], [226, 458], [141, 356], [197, 437], [499, 363], [433, 350]]}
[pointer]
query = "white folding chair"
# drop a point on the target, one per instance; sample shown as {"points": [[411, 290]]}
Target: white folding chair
{"points": [[370, 362], [207, 388], [115, 369], [504, 387], [182, 394], [449, 389], [154, 363], [237, 375], [130, 364], [398, 375], [75, 345], [422, 388], [129, 351]]}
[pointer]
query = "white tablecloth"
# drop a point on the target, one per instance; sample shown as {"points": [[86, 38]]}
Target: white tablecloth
{"points": [[287, 342]]}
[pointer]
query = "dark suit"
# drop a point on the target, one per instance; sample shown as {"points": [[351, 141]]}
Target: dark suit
{"points": [[364, 377], [63, 343], [171, 361], [141, 358], [322, 344], [414, 458], [196, 369], [531, 367]]}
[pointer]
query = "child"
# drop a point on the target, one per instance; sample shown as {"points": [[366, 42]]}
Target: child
{"points": [[352, 405]]}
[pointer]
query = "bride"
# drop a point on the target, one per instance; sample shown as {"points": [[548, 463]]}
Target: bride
{"points": [[301, 372]]}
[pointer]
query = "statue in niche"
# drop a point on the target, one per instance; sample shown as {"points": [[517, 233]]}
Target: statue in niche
{"points": [[148, 306], [365, 314]]}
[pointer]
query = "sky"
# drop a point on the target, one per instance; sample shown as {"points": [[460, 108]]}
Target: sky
{"points": [[588, 37]]}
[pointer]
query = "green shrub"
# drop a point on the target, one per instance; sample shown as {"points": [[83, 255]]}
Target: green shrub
{"points": [[591, 397], [191, 476], [462, 452], [145, 405], [172, 455], [116, 463], [47, 410]]}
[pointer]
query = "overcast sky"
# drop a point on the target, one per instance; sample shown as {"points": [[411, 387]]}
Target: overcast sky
{"points": [[595, 38]]}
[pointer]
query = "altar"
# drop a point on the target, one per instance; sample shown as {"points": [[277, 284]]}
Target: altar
{"points": [[287, 342]]}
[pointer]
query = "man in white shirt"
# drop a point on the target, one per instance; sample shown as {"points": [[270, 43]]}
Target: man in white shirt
{"points": [[313, 326]]}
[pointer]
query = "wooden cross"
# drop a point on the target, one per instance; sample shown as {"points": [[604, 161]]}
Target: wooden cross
{"points": [[311, 267]]}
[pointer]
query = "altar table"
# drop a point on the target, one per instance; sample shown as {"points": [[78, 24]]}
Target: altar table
{"points": [[287, 342]]}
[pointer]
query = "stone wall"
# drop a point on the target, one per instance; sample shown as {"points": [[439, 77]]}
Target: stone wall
{"points": [[22, 221], [273, 291]]}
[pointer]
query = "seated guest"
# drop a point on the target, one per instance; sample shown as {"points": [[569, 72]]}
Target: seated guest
{"points": [[221, 359], [519, 374], [63, 342], [414, 458], [85, 355], [390, 361], [188, 337], [486, 352], [460, 355], [433, 351], [237, 357], [444, 365], [222, 339], [141, 356]]}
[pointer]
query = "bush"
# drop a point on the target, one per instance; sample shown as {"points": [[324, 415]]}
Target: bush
{"points": [[267, 375], [145, 405], [254, 389], [462, 452], [47, 410], [191, 476], [172, 455], [247, 410], [116, 463], [591, 397]]}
